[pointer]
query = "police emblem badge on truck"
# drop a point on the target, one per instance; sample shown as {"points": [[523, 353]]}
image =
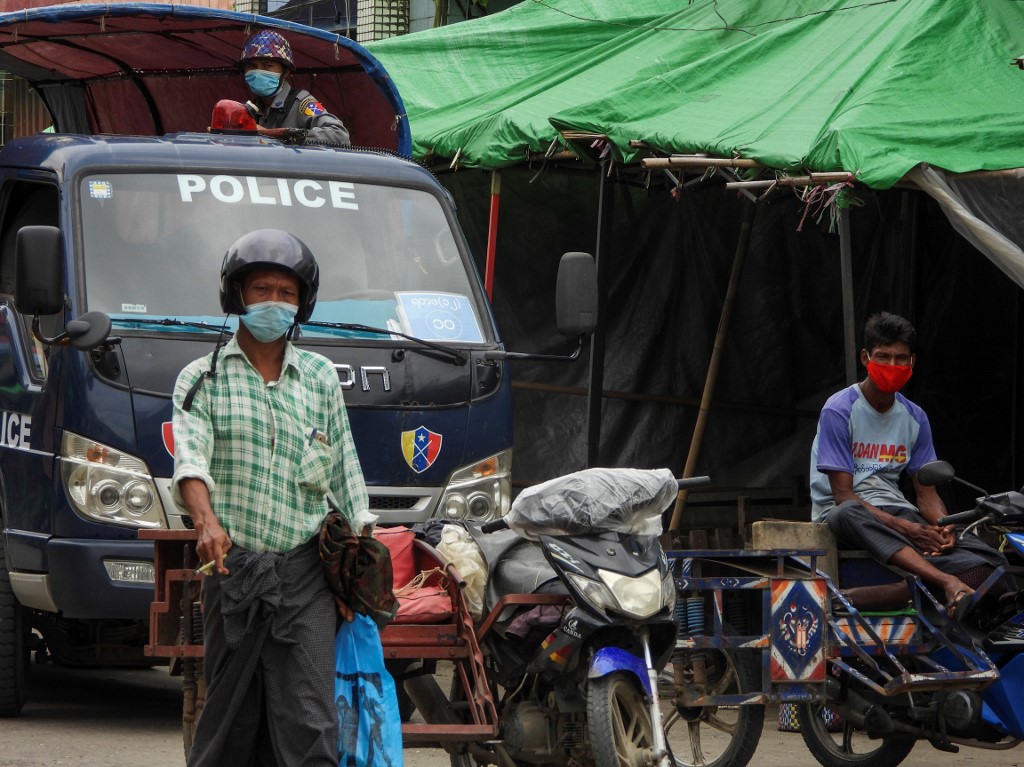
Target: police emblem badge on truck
{"points": [[420, 446]]}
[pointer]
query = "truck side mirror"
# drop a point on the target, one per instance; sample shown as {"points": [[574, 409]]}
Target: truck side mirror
{"points": [[39, 279], [576, 294]]}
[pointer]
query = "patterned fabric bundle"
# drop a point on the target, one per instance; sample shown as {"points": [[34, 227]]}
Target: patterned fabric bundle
{"points": [[358, 569]]}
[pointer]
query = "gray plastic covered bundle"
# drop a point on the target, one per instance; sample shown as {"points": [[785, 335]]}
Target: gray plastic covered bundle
{"points": [[615, 500]]}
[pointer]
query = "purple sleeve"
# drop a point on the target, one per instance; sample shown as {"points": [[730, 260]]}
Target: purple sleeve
{"points": [[834, 453], [923, 449]]}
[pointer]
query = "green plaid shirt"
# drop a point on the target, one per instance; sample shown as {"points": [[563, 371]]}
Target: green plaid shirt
{"points": [[269, 453]]}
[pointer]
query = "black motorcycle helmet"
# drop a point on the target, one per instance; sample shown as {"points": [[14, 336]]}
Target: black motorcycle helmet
{"points": [[272, 248]]}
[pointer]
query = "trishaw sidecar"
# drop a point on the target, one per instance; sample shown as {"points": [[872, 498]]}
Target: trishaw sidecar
{"points": [[411, 648], [770, 627]]}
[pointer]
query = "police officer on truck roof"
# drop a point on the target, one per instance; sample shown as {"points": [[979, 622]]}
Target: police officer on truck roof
{"points": [[290, 114]]}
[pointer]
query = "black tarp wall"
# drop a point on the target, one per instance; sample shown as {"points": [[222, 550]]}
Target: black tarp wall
{"points": [[670, 261]]}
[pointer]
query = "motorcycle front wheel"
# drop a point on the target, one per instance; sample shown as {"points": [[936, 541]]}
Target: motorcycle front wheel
{"points": [[848, 746], [619, 716]]}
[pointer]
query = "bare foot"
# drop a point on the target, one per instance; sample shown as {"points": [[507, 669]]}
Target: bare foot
{"points": [[956, 591]]}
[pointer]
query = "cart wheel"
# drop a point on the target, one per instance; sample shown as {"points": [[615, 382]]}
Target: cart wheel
{"points": [[717, 736]]}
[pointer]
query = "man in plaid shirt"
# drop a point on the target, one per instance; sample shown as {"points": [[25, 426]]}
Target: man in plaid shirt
{"points": [[262, 442]]}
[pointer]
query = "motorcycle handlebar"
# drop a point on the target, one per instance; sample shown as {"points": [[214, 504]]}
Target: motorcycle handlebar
{"points": [[689, 482], [494, 526], [963, 517]]}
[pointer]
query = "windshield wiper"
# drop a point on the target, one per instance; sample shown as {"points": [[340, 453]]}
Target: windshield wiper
{"points": [[458, 357], [169, 322]]}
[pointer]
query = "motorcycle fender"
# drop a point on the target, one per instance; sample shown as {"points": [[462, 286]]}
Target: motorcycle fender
{"points": [[1017, 539], [608, 660]]}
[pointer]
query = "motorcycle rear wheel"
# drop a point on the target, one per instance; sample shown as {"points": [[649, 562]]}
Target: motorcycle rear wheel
{"points": [[850, 747], [620, 721], [719, 736]]}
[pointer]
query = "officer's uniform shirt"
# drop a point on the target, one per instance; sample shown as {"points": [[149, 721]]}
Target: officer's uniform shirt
{"points": [[302, 110]]}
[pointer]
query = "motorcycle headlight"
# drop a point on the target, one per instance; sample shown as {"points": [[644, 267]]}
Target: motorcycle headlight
{"points": [[594, 592], [637, 597], [481, 491], [106, 485]]}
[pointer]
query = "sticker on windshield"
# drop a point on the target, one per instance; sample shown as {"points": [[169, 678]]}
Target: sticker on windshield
{"points": [[101, 190], [438, 316], [133, 308]]}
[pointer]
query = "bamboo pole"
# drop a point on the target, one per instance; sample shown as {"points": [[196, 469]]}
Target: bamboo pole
{"points": [[696, 161], [713, 366], [602, 257], [808, 180], [846, 271]]}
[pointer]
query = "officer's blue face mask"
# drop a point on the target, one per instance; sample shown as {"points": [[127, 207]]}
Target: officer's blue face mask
{"points": [[269, 320], [262, 83]]}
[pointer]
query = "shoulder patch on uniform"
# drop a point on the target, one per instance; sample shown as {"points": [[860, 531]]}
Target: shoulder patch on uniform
{"points": [[311, 107]]}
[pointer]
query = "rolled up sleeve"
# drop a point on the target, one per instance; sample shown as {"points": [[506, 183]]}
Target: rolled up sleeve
{"points": [[193, 434]]}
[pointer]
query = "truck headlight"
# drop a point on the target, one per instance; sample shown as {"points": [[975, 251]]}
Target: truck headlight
{"points": [[481, 491], [106, 485]]}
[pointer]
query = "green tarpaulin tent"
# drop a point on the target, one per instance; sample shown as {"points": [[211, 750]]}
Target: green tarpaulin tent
{"points": [[869, 87], [890, 90]]}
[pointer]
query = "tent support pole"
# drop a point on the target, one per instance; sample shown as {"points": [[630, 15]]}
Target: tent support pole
{"points": [[710, 382], [595, 387], [492, 234], [846, 267]]}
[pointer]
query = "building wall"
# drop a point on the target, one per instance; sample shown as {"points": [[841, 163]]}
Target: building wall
{"points": [[421, 12]]}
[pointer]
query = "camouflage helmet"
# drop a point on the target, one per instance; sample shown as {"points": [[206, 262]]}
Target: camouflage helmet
{"points": [[267, 44]]}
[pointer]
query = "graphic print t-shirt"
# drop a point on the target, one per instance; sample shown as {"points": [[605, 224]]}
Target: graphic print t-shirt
{"points": [[874, 447]]}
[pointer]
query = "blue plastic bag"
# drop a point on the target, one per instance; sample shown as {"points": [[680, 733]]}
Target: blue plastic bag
{"points": [[369, 724]]}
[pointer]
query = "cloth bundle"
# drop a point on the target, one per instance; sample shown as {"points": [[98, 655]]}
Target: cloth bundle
{"points": [[358, 569]]}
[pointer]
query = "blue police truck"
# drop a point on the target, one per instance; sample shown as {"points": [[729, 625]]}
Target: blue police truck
{"points": [[110, 249]]}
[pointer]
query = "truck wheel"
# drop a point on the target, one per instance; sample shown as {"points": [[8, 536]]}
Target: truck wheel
{"points": [[716, 736], [849, 747], [13, 646]]}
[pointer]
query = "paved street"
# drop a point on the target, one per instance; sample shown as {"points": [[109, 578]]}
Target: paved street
{"points": [[108, 718]]}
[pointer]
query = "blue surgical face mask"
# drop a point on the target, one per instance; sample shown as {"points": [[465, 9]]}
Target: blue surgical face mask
{"points": [[262, 82], [269, 320]]}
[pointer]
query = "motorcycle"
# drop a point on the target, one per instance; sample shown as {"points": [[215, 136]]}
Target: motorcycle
{"points": [[951, 681], [579, 623]]}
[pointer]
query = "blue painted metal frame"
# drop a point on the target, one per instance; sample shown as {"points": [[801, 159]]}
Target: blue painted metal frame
{"points": [[860, 650], [775, 565]]}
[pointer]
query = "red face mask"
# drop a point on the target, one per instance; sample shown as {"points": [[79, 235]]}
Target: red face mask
{"points": [[889, 378]]}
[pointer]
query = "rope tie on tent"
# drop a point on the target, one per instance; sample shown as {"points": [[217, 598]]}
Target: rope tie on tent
{"points": [[827, 198]]}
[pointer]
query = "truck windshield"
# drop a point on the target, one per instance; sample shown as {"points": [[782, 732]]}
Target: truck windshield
{"points": [[153, 245]]}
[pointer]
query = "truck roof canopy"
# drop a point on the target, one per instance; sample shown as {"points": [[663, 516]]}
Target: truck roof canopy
{"points": [[150, 69]]}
